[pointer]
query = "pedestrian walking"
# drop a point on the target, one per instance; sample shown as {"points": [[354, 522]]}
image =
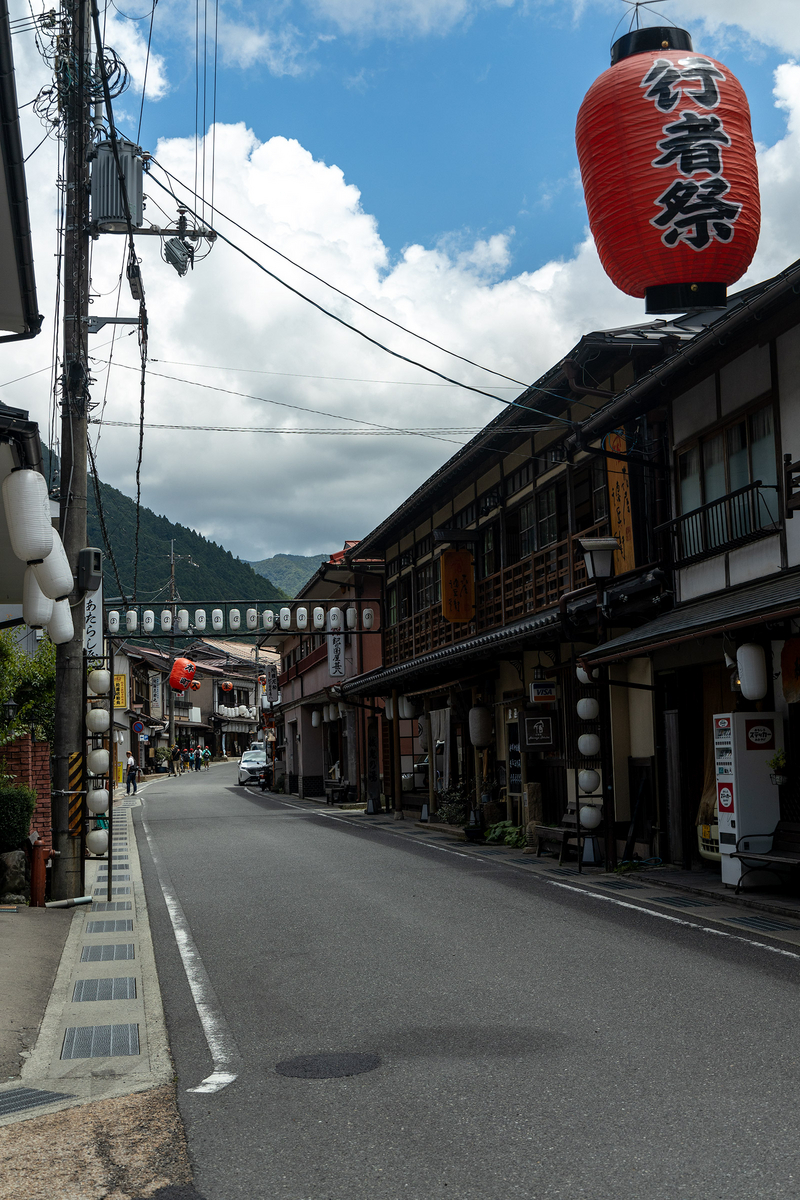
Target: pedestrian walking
{"points": [[174, 759], [184, 760], [207, 759], [198, 758], [131, 771]]}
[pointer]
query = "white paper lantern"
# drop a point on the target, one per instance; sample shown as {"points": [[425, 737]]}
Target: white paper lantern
{"points": [[166, 620], [326, 716], [131, 620], [98, 720], [301, 618], [352, 618], [265, 702], [590, 816], [584, 677], [334, 712], [368, 618], [751, 666], [268, 619], [37, 609], [217, 619], [99, 682], [148, 620], [406, 708], [588, 709], [335, 619], [97, 841], [60, 628], [113, 621], [251, 618], [234, 618], [27, 506], [97, 800], [316, 718], [199, 618], [97, 762], [242, 710], [588, 781], [182, 620], [286, 618], [54, 575], [480, 726], [589, 745], [388, 708], [319, 618]]}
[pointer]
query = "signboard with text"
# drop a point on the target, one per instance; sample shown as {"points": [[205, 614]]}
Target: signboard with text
{"points": [[619, 503], [458, 585], [335, 653], [93, 613]]}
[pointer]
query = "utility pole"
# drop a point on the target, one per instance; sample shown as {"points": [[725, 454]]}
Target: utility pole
{"points": [[171, 696], [74, 99]]}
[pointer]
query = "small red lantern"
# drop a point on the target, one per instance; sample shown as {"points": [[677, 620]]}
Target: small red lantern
{"points": [[182, 674], [195, 685], [669, 172], [226, 687]]}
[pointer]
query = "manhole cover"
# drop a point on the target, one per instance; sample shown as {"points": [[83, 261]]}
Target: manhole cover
{"points": [[327, 1066]]}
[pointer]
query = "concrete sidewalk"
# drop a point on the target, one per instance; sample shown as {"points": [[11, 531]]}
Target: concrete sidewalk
{"points": [[92, 1103]]}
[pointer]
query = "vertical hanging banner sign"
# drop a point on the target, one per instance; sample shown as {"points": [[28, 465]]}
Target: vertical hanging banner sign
{"points": [[271, 685], [458, 585], [120, 691], [335, 653], [619, 503], [93, 610]]}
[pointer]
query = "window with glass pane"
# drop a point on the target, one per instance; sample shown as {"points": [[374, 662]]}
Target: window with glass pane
{"points": [[428, 585], [488, 553], [527, 529], [763, 465], [547, 517], [599, 491], [391, 601], [691, 531]]}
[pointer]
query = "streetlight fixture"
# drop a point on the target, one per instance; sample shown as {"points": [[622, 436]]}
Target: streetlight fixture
{"points": [[598, 554]]}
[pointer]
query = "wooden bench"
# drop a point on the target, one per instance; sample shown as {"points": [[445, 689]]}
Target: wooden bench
{"points": [[559, 835], [781, 859], [339, 791]]}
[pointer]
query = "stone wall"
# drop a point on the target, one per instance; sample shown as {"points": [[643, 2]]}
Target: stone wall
{"points": [[29, 762]]}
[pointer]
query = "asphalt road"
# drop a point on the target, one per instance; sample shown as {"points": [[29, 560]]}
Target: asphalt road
{"points": [[533, 1042]]}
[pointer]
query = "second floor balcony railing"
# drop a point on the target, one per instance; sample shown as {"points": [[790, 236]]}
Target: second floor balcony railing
{"points": [[528, 586], [743, 516]]}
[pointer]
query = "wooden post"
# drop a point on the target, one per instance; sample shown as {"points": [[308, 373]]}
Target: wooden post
{"points": [[431, 759], [398, 767], [476, 758]]}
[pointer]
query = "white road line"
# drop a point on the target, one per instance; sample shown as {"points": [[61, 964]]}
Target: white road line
{"points": [[221, 1044], [651, 912]]}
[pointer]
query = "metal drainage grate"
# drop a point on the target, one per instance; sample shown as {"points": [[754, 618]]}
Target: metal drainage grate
{"points": [[683, 902], [327, 1066], [562, 871], [115, 891], [19, 1099], [122, 926], [621, 885], [111, 906], [766, 924], [107, 953], [101, 1041], [104, 989], [116, 876]]}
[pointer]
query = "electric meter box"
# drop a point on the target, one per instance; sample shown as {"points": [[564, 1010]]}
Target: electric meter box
{"points": [[747, 800]]}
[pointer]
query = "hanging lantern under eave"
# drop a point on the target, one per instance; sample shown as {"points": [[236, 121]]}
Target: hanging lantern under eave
{"points": [[226, 687], [669, 172], [37, 609], [60, 627]]}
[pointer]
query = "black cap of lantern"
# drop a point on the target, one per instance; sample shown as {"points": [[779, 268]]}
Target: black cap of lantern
{"points": [[655, 37]]}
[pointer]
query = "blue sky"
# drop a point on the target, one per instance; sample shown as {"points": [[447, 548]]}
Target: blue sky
{"points": [[420, 155], [456, 134]]}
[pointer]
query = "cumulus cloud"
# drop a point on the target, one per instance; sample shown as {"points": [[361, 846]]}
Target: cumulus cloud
{"points": [[418, 17]]}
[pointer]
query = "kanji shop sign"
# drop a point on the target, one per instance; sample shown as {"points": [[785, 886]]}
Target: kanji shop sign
{"points": [[458, 585], [335, 652], [619, 503], [669, 171]]}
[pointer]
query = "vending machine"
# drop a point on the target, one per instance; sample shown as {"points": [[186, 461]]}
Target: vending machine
{"points": [[747, 800]]}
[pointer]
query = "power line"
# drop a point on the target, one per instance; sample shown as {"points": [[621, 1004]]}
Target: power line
{"points": [[339, 291], [299, 375], [373, 341]]}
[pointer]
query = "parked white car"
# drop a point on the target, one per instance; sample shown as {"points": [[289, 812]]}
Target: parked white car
{"points": [[251, 762]]}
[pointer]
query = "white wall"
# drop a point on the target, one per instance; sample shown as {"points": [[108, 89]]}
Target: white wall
{"points": [[744, 379], [694, 410]]}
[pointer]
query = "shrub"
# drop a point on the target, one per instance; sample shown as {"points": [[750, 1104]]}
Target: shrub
{"points": [[17, 803], [507, 833], [453, 807]]}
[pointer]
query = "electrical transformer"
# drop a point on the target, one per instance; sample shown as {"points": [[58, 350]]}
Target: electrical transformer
{"points": [[108, 213], [747, 800]]}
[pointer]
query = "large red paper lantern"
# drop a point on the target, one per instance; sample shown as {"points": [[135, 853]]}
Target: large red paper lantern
{"points": [[669, 172], [182, 674]]}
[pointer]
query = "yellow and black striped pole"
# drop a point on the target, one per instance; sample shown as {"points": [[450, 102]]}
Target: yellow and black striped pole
{"points": [[75, 794]]}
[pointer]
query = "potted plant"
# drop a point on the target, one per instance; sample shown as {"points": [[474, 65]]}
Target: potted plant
{"points": [[777, 768]]}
